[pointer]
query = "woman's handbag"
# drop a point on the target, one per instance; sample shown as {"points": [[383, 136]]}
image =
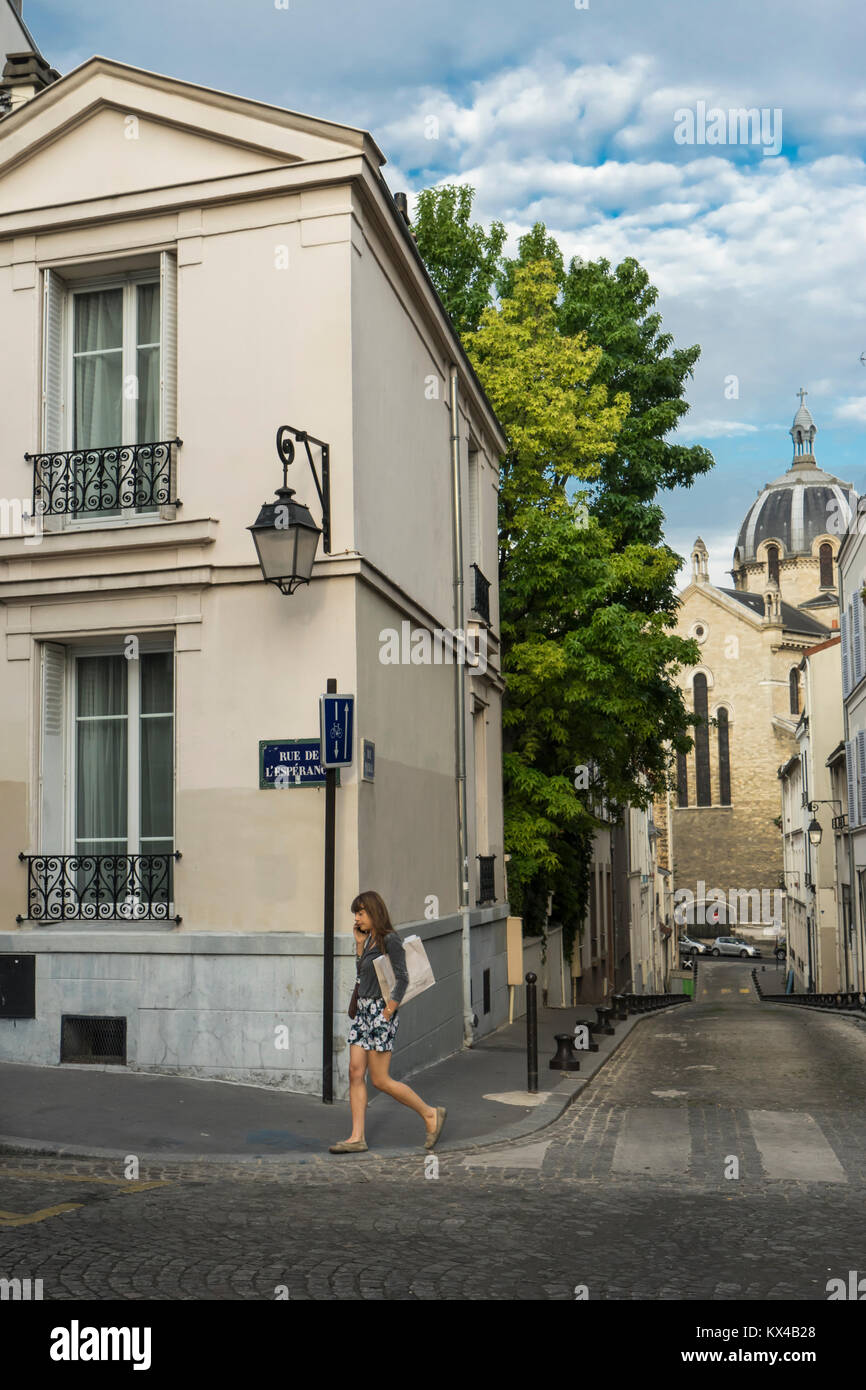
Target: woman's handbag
{"points": [[418, 969], [353, 1002]]}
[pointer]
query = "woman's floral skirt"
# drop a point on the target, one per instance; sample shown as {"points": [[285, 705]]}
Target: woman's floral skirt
{"points": [[370, 1030]]}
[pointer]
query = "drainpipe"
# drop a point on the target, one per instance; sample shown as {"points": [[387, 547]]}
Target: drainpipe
{"points": [[460, 719], [856, 909]]}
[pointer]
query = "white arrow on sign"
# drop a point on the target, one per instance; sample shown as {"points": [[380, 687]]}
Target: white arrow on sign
{"points": [[346, 733]]}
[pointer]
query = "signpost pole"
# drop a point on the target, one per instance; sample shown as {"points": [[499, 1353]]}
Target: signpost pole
{"points": [[328, 940]]}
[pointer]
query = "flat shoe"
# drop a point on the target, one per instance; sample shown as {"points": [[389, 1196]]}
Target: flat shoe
{"points": [[441, 1112], [349, 1146]]}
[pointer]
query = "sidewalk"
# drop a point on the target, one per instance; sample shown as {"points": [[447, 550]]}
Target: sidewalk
{"points": [[111, 1112]]}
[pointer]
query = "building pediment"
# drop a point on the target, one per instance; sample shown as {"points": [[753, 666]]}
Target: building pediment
{"points": [[707, 593], [107, 129]]}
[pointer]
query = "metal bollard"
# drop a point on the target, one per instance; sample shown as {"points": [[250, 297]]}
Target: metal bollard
{"points": [[603, 1014], [565, 1058], [531, 1035], [620, 1006]]}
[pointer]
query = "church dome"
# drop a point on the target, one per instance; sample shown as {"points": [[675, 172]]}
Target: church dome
{"points": [[805, 502]]}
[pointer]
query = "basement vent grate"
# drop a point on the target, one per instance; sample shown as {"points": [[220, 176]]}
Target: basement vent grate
{"points": [[84, 1039]]}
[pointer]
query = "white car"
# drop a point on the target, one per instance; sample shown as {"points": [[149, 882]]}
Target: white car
{"points": [[690, 947], [733, 946]]}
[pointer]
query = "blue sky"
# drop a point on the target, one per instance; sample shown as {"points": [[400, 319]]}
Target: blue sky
{"points": [[569, 115]]}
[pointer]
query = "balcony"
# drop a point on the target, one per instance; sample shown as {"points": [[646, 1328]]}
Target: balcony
{"points": [[99, 888], [486, 879], [481, 597], [97, 482]]}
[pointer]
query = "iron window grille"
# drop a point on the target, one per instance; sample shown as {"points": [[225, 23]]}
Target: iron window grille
{"points": [[99, 887], [840, 822], [87, 482], [481, 599], [486, 879], [92, 1039]]}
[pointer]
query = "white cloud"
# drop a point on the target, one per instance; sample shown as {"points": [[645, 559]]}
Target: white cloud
{"points": [[854, 409], [715, 429]]}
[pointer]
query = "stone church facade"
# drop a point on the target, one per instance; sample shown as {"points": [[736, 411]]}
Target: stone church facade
{"points": [[722, 819]]}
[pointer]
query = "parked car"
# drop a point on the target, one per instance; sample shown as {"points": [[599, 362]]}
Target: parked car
{"points": [[690, 947], [780, 950], [733, 946]]}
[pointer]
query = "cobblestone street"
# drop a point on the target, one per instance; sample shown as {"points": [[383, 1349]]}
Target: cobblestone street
{"points": [[718, 1155]]}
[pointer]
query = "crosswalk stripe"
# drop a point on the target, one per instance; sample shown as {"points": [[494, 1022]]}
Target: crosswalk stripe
{"points": [[654, 1140], [791, 1145]]}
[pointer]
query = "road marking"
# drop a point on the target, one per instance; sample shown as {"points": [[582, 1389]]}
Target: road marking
{"points": [[726, 991], [140, 1186], [530, 1156], [791, 1145], [520, 1097], [653, 1139], [13, 1218]]}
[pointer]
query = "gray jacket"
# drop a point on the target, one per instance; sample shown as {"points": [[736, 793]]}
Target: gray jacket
{"points": [[368, 980]]}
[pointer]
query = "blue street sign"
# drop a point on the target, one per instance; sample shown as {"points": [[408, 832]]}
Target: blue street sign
{"points": [[290, 762], [337, 725], [369, 760]]}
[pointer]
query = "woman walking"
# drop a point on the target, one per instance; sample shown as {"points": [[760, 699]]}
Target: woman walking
{"points": [[371, 1037]]}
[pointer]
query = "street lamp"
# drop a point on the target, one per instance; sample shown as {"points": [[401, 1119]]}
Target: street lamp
{"points": [[286, 536], [814, 829]]}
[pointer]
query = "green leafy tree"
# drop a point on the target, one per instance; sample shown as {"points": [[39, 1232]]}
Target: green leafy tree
{"points": [[462, 259], [587, 596]]}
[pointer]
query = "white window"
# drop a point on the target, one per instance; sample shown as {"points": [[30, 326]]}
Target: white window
{"points": [[108, 381], [107, 772]]}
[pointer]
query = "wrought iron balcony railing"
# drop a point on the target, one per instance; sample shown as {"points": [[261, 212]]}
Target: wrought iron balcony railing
{"points": [[481, 598], [92, 482], [840, 822], [486, 879], [99, 887]]}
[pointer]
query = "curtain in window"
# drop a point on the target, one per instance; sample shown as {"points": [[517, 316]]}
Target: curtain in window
{"points": [[98, 368], [101, 755], [147, 364]]}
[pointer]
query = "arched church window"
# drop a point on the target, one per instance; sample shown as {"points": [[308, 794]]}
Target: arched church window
{"points": [[702, 743], [682, 780], [794, 689], [773, 562], [826, 557], [724, 758]]}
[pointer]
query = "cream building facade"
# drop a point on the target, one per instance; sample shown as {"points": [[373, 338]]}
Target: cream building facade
{"points": [[724, 839], [851, 756], [182, 271], [815, 926]]}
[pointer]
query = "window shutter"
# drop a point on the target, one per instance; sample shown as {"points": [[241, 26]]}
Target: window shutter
{"points": [[53, 395], [168, 345], [851, 775], [846, 653], [861, 777], [474, 557], [855, 627], [52, 763]]}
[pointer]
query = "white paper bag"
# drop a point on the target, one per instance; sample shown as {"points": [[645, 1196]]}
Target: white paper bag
{"points": [[418, 966]]}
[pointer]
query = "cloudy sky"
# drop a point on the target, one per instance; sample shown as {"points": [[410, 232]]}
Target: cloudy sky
{"points": [[571, 112]]}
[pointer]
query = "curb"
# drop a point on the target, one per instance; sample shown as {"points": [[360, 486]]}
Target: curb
{"points": [[546, 1114]]}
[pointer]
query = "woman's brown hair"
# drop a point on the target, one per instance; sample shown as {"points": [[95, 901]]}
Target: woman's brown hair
{"points": [[376, 910]]}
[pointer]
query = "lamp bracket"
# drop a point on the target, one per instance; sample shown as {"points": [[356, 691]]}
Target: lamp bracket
{"points": [[286, 451]]}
